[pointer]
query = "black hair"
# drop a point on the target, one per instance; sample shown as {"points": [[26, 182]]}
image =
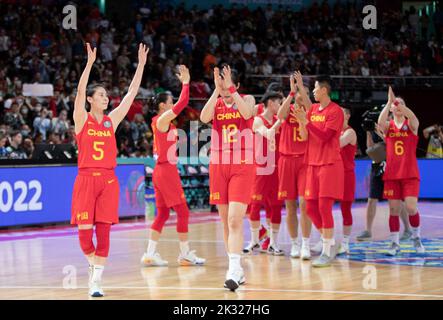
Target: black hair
{"points": [[161, 97], [234, 74], [90, 92], [325, 82], [14, 133], [271, 95]]}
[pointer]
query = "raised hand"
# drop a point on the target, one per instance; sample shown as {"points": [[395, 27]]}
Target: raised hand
{"points": [[292, 83], [92, 53], [218, 81], [142, 53], [183, 74], [391, 96], [227, 78], [299, 79]]}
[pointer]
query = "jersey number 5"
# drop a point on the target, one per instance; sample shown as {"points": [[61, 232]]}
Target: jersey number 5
{"points": [[101, 152], [399, 148]]}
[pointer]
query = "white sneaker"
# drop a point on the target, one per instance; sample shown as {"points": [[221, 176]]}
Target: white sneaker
{"points": [[234, 279], [418, 245], [153, 261], [295, 251], [318, 248], [96, 290], [305, 253], [251, 247], [275, 250], [190, 259], [343, 249]]}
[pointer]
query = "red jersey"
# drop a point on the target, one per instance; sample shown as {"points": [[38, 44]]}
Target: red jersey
{"points": [[230, 131], [265, 147], [164, 143], [97, 147], [291, 142], [348, 154], [321, 152], [401, 159], [260, 108]]}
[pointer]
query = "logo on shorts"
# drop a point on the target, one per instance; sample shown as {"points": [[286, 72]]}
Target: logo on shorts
{"points": [[111, 181], [107, 124], [307, 193], [82, 216], [214, 196]]}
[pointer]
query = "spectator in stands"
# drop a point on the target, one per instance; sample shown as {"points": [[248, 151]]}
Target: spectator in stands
{"points": [[61, 124], [139, 127], [15, 150], [42, 123], [3, 150], [13, 118], [28, 146]]}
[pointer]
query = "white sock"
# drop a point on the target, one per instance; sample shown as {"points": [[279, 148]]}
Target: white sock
{"points": [[254, 235], [305, 242], [97, 273], [327, 244], [294, 241], [415, 232], [395, 237], [346, 239], [152, 246], [274, 237], [234, 261], [184, 247]]}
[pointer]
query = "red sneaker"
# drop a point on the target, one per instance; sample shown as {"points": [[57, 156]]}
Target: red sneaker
{"points": [[265, 245], [263, 233]]}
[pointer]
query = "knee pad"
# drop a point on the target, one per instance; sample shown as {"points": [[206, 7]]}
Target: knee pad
{"points": [[276, 214], [182, 217], [85, 239], [102, 232], [346, 212], [160, 219], [255, 212]]}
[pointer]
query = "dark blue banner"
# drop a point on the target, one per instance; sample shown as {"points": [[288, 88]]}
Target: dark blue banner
{"points": [[35, 195], [431, 177]]}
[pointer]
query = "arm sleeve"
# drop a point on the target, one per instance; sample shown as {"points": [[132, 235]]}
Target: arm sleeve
{"points": [[182, 101]]}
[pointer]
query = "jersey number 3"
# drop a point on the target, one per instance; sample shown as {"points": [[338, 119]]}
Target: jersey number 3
{"points": [[97, 147]]}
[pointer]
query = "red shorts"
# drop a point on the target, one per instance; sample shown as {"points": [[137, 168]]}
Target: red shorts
{"points": [[292, 177], [325, 181], [265, 190], [402, 188], [349, 187], [231, 182], [167, 186], [95, 197]]}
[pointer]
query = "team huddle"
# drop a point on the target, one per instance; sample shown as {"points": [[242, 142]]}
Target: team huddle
{"points": [[285, 150]]}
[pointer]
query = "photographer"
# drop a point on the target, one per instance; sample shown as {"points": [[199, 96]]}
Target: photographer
{"points": [[376, 150], [435, 146]]}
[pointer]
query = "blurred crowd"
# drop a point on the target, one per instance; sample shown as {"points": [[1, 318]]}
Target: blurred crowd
{"points": [[320, 39]]}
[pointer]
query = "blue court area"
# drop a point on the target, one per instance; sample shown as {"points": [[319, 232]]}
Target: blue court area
{"points": [[375, 252]]}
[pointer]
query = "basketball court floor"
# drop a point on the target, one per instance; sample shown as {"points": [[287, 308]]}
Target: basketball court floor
{"points": [[48, 264]]}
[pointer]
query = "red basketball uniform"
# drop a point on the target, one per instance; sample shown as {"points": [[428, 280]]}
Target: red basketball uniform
{"points": [[348, 157], [325, 176], [401, 177], [291, 164], [96, 189], [165, 178], [231, 167], [265, 189]]}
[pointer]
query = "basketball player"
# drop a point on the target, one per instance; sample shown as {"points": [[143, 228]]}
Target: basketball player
{"points": [[265, 190], [324, 177], [96, 189], [292, 166], [348, 147], [167, 184], [401, 178], [231, 168]]}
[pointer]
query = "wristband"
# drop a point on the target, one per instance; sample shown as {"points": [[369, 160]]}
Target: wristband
{"points": [[232, 89], [292, 94]]}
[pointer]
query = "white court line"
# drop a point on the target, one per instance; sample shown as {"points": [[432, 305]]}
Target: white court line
{"points": [[243, 290]]}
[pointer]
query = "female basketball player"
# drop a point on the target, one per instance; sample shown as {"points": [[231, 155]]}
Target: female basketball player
{"points": [[96, 189], [266, 128], [401, 177], [231, 168], [167, 184], [348, 147]]}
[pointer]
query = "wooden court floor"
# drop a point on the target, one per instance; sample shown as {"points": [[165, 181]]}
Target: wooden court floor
{"points": [[48, 264]]}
